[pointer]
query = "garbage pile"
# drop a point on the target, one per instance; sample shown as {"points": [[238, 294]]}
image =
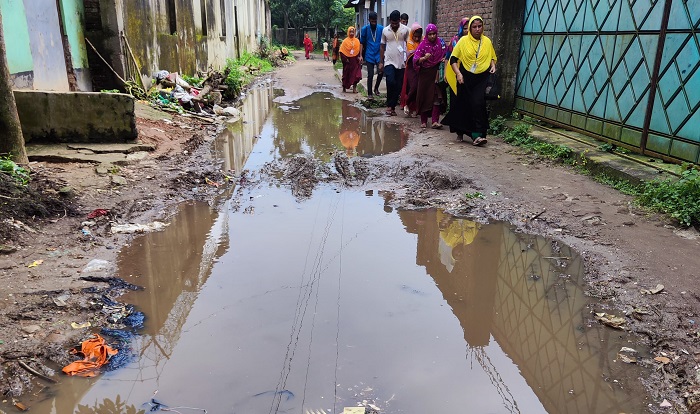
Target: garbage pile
{"points": [[202, 95]]}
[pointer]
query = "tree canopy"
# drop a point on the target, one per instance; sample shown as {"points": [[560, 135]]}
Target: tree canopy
{"points": [[305, 13]]}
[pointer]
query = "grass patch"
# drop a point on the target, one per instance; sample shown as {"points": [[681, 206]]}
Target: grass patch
{"points": [[519, 135], [677, 198], [680, 198], [243, 70], [9, 167]]}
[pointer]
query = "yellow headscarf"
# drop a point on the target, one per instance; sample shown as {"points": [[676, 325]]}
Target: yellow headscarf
{"points": [[466, 52], [351, 45]]}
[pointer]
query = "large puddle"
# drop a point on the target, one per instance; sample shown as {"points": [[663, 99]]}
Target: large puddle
{"points": [[280, 306]]}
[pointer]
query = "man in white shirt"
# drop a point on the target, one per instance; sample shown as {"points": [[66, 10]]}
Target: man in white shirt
{"points": [[391, 59]]}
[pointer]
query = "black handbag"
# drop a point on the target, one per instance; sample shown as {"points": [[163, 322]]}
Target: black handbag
{"points": [[493, 88]]}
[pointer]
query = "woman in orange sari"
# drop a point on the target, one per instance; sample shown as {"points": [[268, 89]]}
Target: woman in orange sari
{"points": [[410, 80], [351, 56]]}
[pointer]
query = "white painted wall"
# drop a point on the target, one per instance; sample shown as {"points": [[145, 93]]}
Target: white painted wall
{"points": [[417, 10]]}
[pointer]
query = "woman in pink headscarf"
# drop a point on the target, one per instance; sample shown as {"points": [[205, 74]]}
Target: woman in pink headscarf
{"points": [[426, 60]]}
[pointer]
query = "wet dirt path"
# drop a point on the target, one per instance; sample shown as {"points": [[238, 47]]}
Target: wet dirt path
{"points": [[277, 304]]}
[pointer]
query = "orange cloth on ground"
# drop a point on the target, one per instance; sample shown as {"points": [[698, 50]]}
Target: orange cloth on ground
{"points": [[96, 353]]}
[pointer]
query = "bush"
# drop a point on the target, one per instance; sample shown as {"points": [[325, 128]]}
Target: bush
{"points": [[9, 167], [680, 199]]}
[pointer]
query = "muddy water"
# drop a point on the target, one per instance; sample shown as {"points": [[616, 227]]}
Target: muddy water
{"points": [[273, 305], [317, 125]]}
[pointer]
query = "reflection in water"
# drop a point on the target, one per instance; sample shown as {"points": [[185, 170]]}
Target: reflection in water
{"points": [[523, 293], [326, 303], [236, 141], [320, 125]]}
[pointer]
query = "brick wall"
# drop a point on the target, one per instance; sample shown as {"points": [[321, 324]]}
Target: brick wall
{"points": [[503, 21], [450, 12]]}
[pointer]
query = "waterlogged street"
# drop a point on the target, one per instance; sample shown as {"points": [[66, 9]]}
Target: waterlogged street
{"points": [[275, 303]]}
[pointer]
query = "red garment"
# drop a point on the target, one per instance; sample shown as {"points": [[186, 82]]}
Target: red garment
{"points": [[352, 71], [410, 83], [308, 45]]}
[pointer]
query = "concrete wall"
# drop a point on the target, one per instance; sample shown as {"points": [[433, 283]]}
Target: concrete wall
{"points": [[181, 35], [418, 10], [76, 116], [39, 57], [73, 16], [503, 22]]}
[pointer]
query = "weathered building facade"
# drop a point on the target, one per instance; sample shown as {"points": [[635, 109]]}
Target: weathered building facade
{"points": [[83, 45]]}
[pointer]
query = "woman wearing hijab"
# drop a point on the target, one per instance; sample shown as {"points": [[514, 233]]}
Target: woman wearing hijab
{"points": [[308, 45], [455, 38], [473, 58], [351, 56], [410, 80], [427, 60], [336, 48], [449, 75]]}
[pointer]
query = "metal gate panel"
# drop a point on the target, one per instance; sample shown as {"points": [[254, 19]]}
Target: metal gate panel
{"points": [[595, 64]]}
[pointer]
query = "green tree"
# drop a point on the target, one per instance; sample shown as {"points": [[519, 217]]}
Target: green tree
{"points": [[290, 13], [11, 139]]}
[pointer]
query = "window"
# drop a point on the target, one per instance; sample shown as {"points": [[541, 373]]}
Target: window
{"points": [[172, 19], [223, 17], [203, 10]]}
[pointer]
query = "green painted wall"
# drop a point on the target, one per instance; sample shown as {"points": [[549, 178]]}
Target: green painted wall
{"points": [[73, 17], [16, 34]]}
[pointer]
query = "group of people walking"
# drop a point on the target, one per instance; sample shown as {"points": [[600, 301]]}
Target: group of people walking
{"points": [[422, 72]]}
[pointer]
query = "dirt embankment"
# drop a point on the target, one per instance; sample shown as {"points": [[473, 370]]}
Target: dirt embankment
{"points": [[628, 252], [59, 247]]}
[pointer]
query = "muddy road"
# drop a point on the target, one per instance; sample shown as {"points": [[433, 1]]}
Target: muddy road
{"points": [[624, 253], [627, 251]]}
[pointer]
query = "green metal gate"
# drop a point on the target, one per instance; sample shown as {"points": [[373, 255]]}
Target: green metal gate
{"points": [[624, 70]]}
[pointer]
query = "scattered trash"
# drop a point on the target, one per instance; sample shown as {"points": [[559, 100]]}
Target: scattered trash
{"points": [[637, 313], [96, 353], [627, 355], [19, 225], [114, 282], [85, 231], [665, 404], [122, 345], [354, 410], [76, 325], [663, 360], [35, 263], [156, 405], [653, 291], [138, 228], [96, 265], [97, 213], [30, 329], [612, 321], [18, 405]]}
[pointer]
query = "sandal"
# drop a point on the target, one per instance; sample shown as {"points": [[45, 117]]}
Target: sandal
{"points": [[479, 141], [423, 126], [390, 112], [436, 125]]}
